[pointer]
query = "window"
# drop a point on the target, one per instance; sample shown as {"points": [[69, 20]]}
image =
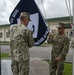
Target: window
{"points": [[1, 35], [7, 35]]}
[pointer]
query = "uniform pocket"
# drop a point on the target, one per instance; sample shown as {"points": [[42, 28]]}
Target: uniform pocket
{"points": [[16, 55]]}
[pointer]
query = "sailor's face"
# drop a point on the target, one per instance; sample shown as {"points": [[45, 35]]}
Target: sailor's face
{"points": [[25, 21], [60, 30]]}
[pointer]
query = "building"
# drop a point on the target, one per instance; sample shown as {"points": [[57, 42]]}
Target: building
{"points": [[4, 35], [52, 23]]}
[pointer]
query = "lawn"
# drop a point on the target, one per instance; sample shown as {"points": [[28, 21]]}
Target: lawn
{"points": [[45, 44], [4, 55], [6, 43], [67, 68]]}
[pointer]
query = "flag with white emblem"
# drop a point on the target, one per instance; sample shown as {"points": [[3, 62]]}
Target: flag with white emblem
{"points": [[37, 23]]}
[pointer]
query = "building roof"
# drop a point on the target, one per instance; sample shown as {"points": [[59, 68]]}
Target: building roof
{"points": [[67, 18], [5, 25]]}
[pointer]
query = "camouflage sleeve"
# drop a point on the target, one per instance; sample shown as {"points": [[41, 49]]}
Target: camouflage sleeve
{"points": [[11, 48], [50, 40], [30, 39], [65, 48]]}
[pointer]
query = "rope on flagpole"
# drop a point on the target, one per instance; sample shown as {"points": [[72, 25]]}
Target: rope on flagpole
{"points": [[43, 8], [44, 13], [69, 9]]}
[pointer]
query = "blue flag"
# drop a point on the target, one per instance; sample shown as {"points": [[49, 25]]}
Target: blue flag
{"points": [[37, 24]]}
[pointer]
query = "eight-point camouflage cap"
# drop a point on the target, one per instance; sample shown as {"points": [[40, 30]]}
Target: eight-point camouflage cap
{"points": [[25, 14], [61, 25]]}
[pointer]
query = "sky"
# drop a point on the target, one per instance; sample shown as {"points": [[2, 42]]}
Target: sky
{"points": [[49, 9]]}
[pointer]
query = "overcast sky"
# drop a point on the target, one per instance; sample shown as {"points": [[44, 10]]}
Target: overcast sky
{"points": [[52, 9]]}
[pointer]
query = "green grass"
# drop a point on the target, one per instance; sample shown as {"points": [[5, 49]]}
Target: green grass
{"points": [[67, 68], [4, 42], [4, 55], [45, 44]]}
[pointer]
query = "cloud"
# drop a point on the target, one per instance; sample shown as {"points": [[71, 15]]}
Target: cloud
{"points": [[55, 8], [6, 7], [49, 8]]}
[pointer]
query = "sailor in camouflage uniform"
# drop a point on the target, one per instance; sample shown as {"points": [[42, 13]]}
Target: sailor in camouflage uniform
{"points": [[20, 41], [60, 43]]}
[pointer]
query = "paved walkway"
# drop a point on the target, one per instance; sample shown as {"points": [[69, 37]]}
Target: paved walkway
{"points": [[40, 52], [37, 67]]}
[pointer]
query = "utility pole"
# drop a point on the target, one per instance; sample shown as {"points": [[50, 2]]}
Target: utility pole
{"points": [[73, 35]]}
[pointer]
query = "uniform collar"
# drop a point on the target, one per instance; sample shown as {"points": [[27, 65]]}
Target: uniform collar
{"points": [[22, 25]]}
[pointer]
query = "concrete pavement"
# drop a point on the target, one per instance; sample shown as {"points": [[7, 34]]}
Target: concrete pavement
{"points": [[37, 67], [40, 52]]}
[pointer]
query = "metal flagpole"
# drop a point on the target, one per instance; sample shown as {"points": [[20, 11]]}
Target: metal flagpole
{"points": [[73, 35], [0, 56]]}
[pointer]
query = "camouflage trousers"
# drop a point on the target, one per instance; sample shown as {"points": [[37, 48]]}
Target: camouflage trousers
{"points": [[20, 68], [56, 67]]}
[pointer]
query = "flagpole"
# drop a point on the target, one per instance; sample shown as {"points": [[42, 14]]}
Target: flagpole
{"points": [[73, 36], [0, 55]]}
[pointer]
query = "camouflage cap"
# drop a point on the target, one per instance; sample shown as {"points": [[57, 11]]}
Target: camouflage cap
{"points": [[61, 25], [25, 14]]}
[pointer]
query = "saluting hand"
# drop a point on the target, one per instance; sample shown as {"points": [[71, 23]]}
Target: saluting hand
{"points": [[57, 59], [50, 34]]}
